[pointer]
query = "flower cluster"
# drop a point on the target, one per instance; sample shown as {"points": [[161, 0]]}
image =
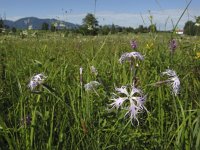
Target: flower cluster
{"points": [[135, 98], [36, 81], [173, 80]]}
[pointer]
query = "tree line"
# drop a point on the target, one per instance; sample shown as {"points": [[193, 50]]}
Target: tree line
{"points": [[90, 26], [192, 28]]}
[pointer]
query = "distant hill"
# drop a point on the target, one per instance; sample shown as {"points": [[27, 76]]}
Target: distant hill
{"points": [[36, 23]]}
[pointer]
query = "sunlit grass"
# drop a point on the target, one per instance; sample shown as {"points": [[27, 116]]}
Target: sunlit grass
{"points": [[64, 115]]}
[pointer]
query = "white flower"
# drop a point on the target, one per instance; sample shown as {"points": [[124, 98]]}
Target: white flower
{"points": [[135, 98], [117, 102], [81, 75], [133, 111], [36, 80], [173, 80], [169, 72], [94, 70], [175, 83], [91, 85], [122, 90], [130, 56], [81, 70]]}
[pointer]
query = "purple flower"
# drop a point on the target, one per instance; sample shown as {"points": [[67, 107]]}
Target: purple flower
{"points": [[173, 45], [26, 120], [133, 110], [117, 102], [133, 44]]}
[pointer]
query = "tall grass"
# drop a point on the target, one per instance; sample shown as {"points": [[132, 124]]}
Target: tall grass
{"points": [[65, 116]]}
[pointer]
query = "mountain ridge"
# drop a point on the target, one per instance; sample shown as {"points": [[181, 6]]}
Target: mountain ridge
{"points": [[36, 23]]}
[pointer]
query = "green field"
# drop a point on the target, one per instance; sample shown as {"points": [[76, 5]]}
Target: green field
{"points": [[63, 115]]}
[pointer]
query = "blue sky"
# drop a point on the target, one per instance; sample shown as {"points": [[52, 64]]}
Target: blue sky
{"points": [[121, 12]]}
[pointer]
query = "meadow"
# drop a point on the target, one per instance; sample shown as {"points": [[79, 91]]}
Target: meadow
{"points": [[61, 114]]}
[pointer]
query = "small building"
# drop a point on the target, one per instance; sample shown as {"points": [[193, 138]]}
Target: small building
{"points": [[180, 32]]}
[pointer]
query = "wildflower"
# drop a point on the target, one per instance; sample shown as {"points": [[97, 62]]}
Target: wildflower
{"points": [[36, 81], [133, 44], [135, 98], [130, 56], [81, 76], [197, 55], [81, 70], [91, 85], [94, 70], [149, 45], [173, 80], [26, 120], [173, 45]]}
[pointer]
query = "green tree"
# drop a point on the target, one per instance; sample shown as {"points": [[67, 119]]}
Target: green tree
{"points": [[90, 21], [129, 29], [189, 28], [105, 30], [141, 28], [53, 27], [197, 25], [45, 26], [1, 25], [90, 24], [152, 28], [113, 29], [14, 30], [197, 19]]}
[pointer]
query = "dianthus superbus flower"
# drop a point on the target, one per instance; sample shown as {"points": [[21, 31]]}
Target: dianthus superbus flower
{"points": [[36, 81], [173, 80], [134, 98], [130, 57]]}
